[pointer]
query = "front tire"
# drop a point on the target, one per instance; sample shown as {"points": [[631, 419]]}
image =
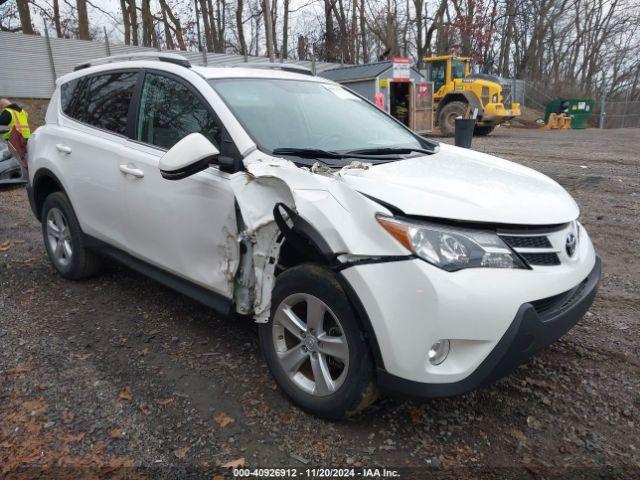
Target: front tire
{"points": [[314, 346], [447, 117], [64, 241]]}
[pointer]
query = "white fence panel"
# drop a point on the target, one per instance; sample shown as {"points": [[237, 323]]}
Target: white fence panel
{"points": [[26, 69]]}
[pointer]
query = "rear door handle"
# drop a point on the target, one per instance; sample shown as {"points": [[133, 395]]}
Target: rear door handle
{"points": [[62, 148], [129, 170]]}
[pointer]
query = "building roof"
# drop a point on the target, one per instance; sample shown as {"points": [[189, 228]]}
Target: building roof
{"points": [[356, 72], [368, 71]]}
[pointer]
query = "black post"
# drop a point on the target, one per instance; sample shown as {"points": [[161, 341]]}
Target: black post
{"points": [[106, 41], [50, 52]]}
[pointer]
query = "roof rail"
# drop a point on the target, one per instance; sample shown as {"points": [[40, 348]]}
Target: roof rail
{"points": [[285, 67], [163, 57]]}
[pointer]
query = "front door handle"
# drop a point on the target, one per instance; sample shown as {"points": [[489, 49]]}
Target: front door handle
{"points": [[62, 148], [129, 170]]}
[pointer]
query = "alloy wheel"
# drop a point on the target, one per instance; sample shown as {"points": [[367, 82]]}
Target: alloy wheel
{"points": [[311, 345], [59, 237]]}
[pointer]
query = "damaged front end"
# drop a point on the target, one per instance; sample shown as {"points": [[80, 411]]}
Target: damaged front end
{"points": [[314, 212]]}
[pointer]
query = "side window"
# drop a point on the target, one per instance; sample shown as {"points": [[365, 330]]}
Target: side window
{"points": [[438, 74], [108, 99], [169, 111], [457, 69]]}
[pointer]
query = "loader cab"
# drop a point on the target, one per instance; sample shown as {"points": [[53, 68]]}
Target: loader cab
{"points": [[442, 70]]}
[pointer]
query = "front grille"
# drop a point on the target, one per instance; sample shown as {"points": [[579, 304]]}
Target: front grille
{"points": [[541, 259], [547, 307], [527, 242], [524, 244]]}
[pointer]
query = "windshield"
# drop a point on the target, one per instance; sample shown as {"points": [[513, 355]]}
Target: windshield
{"points": [[309, 115]]}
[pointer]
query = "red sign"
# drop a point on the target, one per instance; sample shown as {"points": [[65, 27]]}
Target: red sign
{"points": [[423, 89]]}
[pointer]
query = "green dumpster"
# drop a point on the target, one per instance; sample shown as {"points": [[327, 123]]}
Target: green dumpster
{"points": [[578, 108]]}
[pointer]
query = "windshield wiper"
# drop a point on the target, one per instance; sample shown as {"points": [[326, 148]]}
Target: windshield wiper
{"points": [[388, 151], [319, 153], [308, 153]]}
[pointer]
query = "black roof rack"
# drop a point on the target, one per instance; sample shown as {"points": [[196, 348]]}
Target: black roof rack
{"points": [[163, 57]]}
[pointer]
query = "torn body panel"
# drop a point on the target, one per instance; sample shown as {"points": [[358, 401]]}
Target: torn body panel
{"points": [[259, 240]]}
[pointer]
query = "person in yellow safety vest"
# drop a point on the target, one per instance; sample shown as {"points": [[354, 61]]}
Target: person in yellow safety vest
{"points": [[13, 116]]}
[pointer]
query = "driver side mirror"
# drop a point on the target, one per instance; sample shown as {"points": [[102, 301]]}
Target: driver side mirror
{"points": [[189, 156]]}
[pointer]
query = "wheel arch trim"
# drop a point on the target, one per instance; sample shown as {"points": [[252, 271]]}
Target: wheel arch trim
{"points": [[33, 189], [468, 97]]}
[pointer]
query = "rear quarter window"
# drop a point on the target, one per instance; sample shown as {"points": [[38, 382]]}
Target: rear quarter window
{"points": [[70, 98], [102, 101]]}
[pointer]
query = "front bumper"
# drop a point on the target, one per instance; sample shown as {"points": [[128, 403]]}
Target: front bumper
{"points": [[532, 329], [495, 113], [11, 172]]}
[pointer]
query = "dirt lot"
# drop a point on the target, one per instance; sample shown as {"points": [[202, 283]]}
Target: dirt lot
{"points": [[119, 375]]}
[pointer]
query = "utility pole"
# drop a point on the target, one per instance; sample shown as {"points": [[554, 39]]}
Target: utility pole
{"points": [[106, 41], [603, 105]]}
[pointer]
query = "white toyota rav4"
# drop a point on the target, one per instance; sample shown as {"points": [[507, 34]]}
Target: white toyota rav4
{"points": [[371, 258]]}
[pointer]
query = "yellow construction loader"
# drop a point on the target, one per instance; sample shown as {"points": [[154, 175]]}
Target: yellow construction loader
{"points": [[456, 91]]}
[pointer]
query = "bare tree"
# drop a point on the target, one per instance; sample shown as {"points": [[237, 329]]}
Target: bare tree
{"points": [[363, 33], [240, 28], [83, 20], [172, 26], [56, 18], [285, 31], [126, 22], [25, 16], [266, 7], [206, 20], [148, 27], [330, 41]]}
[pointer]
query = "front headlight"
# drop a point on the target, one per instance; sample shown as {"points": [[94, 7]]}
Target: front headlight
{"points": [[451, 248]]}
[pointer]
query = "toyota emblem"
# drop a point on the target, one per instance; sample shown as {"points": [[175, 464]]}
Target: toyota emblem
{"points": [[571, 244]]}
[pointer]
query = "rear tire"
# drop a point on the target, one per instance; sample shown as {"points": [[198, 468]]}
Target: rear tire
{"points": [[321, 362], [483, 131], [447, 117], [64, 241]]}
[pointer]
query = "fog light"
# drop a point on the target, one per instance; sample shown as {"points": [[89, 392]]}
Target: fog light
{"points": [[438, 352]]}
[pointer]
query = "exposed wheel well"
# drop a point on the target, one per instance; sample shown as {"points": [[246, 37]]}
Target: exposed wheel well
{"points": [[44, 184], [291, 256]]}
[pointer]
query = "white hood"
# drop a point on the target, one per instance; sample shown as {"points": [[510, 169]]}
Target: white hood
{"points": [[461, 184]]}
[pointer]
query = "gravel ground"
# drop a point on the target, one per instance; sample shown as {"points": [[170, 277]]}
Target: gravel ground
{"points": [[118, 376]]}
